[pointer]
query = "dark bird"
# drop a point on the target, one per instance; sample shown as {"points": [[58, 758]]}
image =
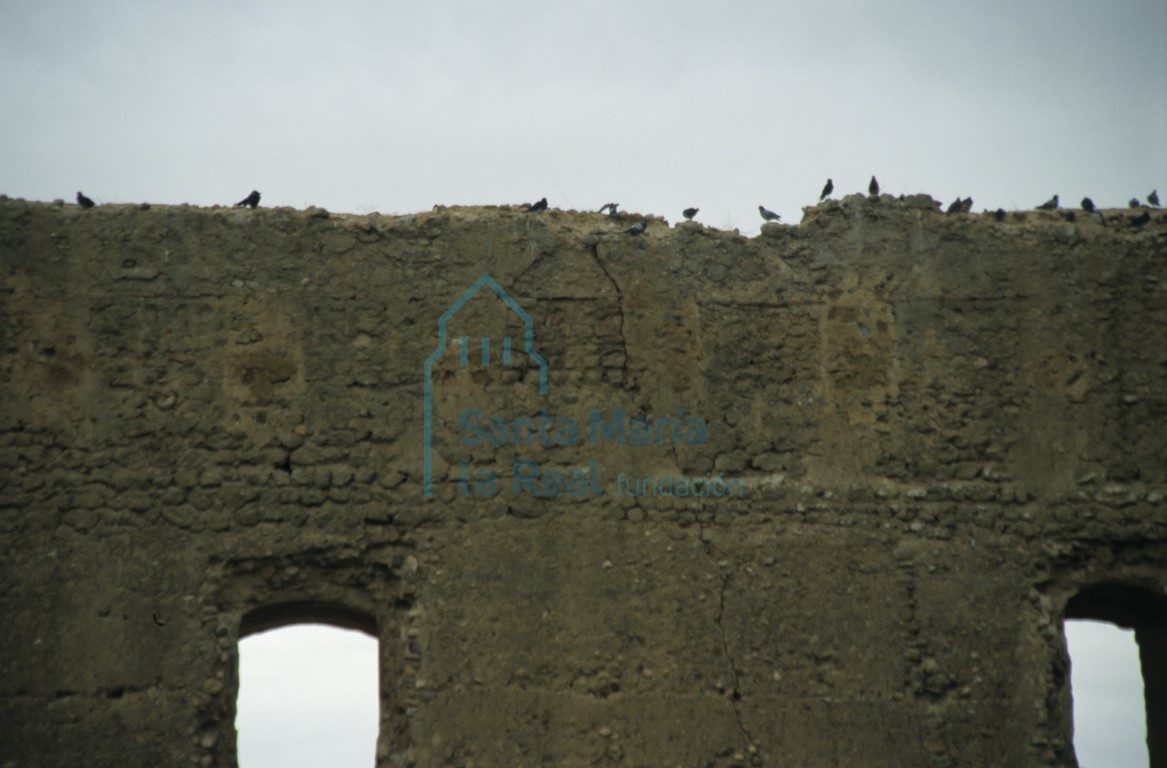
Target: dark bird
{"points": [[689, 213], [84, 201], [999, 214], [1134, 202], [955, 206], [250, 201], [1049, 205], [610, 208], [966, 206], [768, 215], [1087, 205], [1141, 219], [1071, 216], [539, 206], [873, 187], [1153, 198], [637, 228], [827, 190]]}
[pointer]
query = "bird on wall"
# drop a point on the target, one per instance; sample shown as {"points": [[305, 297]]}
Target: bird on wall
{"points": [[1087, 205], [999, 214], [955, 206], [537, 207], [84, 201], [966, 206], [250, 201], [637, 228], [828, 188], [689, 213], [768, 215], [1049, 205], [1153, 198], [610, 208], [873, 187], [1134, 202]]}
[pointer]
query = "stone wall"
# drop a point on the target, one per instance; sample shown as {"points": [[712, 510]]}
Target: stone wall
{"points": [[891, 449]]}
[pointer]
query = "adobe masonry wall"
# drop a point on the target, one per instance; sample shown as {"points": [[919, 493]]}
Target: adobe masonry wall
{"points": [[942, 427]]}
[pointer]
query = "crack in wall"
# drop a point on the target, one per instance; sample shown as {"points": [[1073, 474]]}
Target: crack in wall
{"points": [[595, 251], [725, 575]]}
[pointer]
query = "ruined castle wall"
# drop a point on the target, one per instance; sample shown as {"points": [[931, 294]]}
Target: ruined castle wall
{"points": [[895, 445]]}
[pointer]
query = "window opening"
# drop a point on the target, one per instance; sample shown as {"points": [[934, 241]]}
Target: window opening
{"points": [[308, 696]]}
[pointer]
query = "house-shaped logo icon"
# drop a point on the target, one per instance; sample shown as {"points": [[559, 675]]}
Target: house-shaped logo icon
{"points": [[488, 356]]}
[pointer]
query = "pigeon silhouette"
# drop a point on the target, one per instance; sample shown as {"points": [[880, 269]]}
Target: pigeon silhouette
{"points": [[873, 187], [1049, 205], [84, 201], [689, 213], [537, 207], [610, 208], [999, 214], [1141, 219], [827, 190], [1087, 205], [250, 201], [1134, 202], [1153, 198], [637, 228], [768, 215], [966, 206], [955, 206]]}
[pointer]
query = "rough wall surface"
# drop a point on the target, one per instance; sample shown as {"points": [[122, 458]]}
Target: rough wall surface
{"points": [[889, 448]]}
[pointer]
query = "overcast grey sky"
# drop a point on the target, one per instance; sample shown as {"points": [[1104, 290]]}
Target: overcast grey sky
{"points": [[394, 107]]}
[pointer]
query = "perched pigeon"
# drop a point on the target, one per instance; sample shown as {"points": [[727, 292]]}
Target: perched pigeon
{"points": [[539, 206], [610, 208], [1087, 205], [1134, 202], [999, 214], [768, 215], [873, 187], [637, 228], [955, 206], [1153, 198], [250, 201], [1142, 219], [84, 201], [1049, 205], [689, 213], [827, 190]]}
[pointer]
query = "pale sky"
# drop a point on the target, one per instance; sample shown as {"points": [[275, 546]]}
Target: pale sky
{"points": [[394, 107]]}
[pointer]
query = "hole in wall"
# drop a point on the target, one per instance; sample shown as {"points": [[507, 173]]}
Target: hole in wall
{"points": [[1107, 685], [1124, 607], [308, 696]]}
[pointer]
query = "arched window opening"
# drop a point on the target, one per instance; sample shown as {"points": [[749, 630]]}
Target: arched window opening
{"points": [[1100, 657], [1109, 720], [308, 692]]}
